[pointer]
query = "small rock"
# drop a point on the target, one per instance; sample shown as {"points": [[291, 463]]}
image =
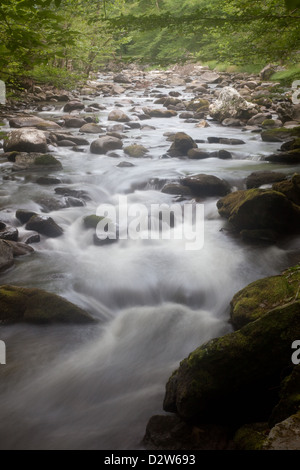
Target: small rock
{"points": [[44, 225]]}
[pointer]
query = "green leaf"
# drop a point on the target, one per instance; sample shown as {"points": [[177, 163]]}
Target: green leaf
{"points": [[292, 4]]}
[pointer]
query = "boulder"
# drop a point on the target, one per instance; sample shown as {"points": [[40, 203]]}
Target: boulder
{"points": [[263, 295], [24, 215], [230, 104], [75, 122], [121, 78], [9, 233], [285, 435], [35, 162], [182, 143], [198, 105], [136, 150], [73, 105], [290, 157], [222, 154], [280, 134], [210, 77], [267, 72], [74, 138], [289, 402], [26, 140], [234, 379], [176, 189], [260, 209], [91, 128], [258, 119], [118, 115], [206, 185], [44, 225], [20, 304], [259, 178], [48, 181], [198, 154], [290, 188], [225, 141], [105, 144], [32, 121]]}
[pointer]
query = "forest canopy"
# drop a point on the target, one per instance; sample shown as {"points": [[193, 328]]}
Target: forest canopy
{"points": [[52, 38]]}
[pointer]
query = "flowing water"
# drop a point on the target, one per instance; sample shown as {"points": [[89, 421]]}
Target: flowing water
{"points": [[96, 386]]}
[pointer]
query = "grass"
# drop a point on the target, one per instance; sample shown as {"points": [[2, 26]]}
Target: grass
{"points": [[287, 77]]}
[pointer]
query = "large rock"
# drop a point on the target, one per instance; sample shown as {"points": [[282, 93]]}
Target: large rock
{"points": [[160, 112], [26, 140], [136, 150], [44, 225], [230, 104], [118, 115], [74, 138], [259, 178], [72, 106], [182, 143], [290, 188], [32, 121], [206, 185], [35, 162], [260, 209], [91, 128], [234, 379], [105, 144], [263, 295], [280, 134], [290, 157], [20, 304], [285, 435]]}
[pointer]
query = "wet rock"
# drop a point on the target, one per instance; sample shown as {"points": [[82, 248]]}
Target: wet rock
{"points": [[32, 121], [182, 143], [66, 143], [289, 157], [24, 215], [49, 204], [160, 112], [74, 138], [9, 233], [225, 141], [259, 178], [263, 295], [136, 150], [105, 144], [243, 368], [260, 209], [19, 249], [74, 122], [231, 122], [272, 124], [230, 104], [26, 140], [176, 189], [206, 185], [125, 165], [20, 304], [210, 77], [280, 134], [72, 106], [36, 162], [290, 188], [198, 105], [33, 238], [91, 129], [198, 154], [222, 154], [91, 221], [44, 225], [121, 78], [118, 115], [76, 193], [258, 119]]}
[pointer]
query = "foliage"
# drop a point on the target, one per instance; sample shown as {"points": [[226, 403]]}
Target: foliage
{"points": [[286, 77]]}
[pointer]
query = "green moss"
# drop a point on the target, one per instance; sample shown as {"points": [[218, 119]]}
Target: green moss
{"points": [[37, 306], [91, 221], [46, 160], [263, 295], [198, 105], [251, 436], [280, 134]]}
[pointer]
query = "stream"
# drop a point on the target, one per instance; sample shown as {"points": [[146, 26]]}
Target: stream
{"points": [[96, 386]]}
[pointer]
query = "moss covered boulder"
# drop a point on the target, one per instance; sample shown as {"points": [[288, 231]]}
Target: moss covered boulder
{"points": [[290, 157], [235, 378], [263, 295], [290, 188], [181, 145], [20, 304], [136, 150], [259, 178], [285, 435], [91, 221], [34, 161], [260, 209], [289, 402], [280, 134]]}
